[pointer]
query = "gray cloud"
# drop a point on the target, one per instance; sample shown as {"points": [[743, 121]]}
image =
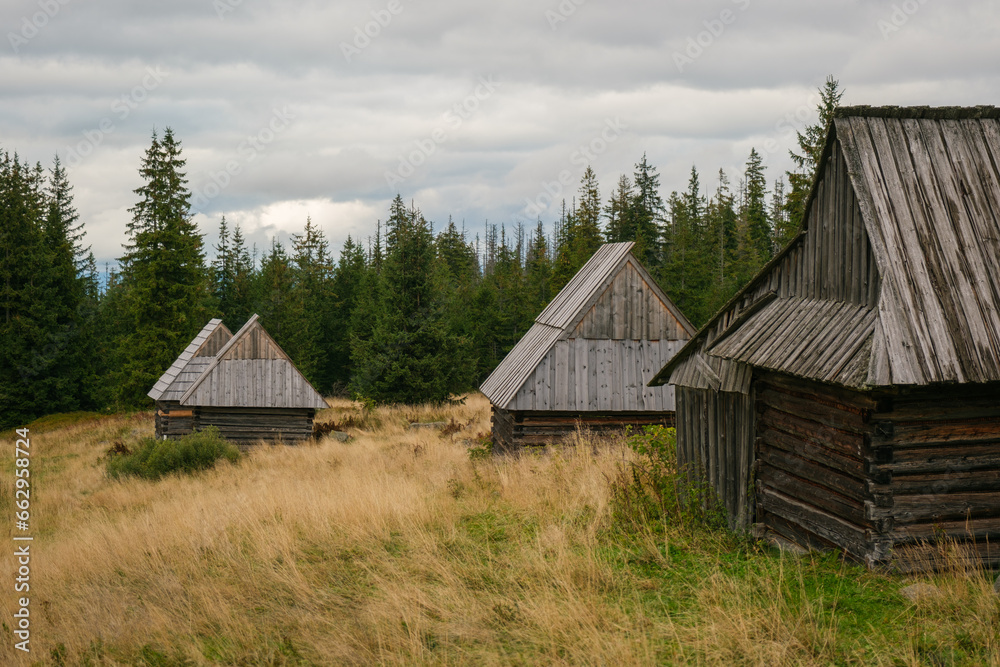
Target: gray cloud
{"points": [[355, 119]]}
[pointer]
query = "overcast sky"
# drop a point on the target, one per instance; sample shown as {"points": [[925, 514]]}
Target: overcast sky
{"points": [[471, 109]]}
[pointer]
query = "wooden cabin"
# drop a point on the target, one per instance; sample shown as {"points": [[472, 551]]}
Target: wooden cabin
{"points": [[588, 357], [849, 396], [245, 385]]}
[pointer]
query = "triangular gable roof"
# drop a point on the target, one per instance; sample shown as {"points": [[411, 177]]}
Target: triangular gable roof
{"points": [[927, 182], [171, 384], [563, 313], [252, 370]]}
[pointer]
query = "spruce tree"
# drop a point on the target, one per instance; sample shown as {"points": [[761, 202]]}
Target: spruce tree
{"points": [[807, 161], [165, 287], [647, 214], [588, 235], [26, 320], [538, 271], [620, 212], [348, 281], [310, 341], [411, 356], [272, 285], [240, 304], [70, 352], [755, 207], [564, 264]]}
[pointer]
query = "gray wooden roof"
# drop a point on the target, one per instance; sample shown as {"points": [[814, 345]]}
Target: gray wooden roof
{"points": [[927, 183], [249, 370], [563, 313], [186, 368], [815, 338], [252, 370]]}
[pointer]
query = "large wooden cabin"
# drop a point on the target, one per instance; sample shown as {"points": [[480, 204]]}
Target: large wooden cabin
{"points": [[849, 395], [245, 385], [588, 356]]}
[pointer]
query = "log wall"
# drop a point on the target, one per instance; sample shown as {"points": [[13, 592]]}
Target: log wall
{"points": [[813, 451], [172, 420], [881, 476], [240, 425], [939, 472], [512, 430]]}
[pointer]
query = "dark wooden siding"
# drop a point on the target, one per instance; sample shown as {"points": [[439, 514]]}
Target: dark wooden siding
{"points": [[515, 429], [714, 440], [881, 476], [832, 261], [813, 451], [939, 470], [249, 425], [172, 420], [242, 425]]}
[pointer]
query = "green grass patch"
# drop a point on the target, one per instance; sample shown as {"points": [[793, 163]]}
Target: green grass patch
{"points": [[153, 459]]}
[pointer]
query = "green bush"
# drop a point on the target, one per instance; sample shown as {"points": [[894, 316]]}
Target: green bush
{"points": [[153, 459], [654, 490]]}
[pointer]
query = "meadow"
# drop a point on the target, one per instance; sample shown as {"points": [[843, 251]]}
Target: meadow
{"points": [[416, 546]]}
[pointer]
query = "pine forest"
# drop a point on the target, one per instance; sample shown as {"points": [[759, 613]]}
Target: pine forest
{"points": [[418, 312]]}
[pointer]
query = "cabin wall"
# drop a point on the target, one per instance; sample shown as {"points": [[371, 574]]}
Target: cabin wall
{"points": [[172, 420], [714, 443], [585, 375], [813, 452], [249, 425], [832, 260], [881, 476], [245, 425], [629, 309], [512, 430], [939, 472]]}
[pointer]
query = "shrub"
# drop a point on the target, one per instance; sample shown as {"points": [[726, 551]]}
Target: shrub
{"points": [[654, 489], [152, 459]]}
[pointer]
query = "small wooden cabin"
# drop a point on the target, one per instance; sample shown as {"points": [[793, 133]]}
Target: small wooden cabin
{"points": [[849, 395], [588, 356], [245, 385]]}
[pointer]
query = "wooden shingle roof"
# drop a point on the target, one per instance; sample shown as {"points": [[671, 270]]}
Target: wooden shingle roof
{"points": [[927, 184], [189, 365], [563, 313], [246, 370], [252, 370]]}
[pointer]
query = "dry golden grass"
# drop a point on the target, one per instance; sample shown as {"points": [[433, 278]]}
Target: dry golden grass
{"points": [[398, 547]]}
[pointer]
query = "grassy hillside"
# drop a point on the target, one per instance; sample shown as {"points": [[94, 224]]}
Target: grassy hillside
{"points": [[406, 547]]}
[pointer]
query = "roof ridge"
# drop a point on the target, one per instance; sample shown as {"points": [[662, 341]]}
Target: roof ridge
{"points": [[928, 112], [218, 357]]}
